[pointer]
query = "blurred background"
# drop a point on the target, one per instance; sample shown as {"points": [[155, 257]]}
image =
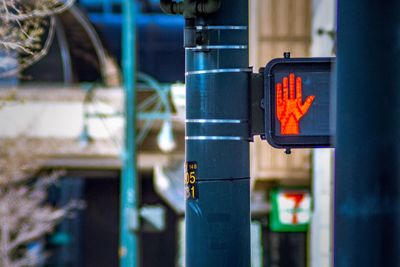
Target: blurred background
{"points": [[62, 108]]}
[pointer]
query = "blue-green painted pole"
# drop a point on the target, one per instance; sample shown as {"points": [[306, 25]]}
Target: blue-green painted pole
{"points": [[129, 223], [217, 139]]}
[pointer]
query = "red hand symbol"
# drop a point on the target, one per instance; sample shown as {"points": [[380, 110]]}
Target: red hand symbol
{"points": [[290, 108]]}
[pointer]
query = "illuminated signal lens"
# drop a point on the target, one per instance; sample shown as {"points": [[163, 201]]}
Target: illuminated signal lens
{"points": [[289, 104]]}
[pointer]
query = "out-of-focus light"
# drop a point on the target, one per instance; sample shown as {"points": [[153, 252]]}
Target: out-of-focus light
{"points": [[178, 93], [165, 138], [84, 138]]}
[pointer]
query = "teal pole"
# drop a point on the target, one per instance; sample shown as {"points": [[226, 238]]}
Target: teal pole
{"points": [[129, 222], [217, 175], [217, 138], [367, 180]]}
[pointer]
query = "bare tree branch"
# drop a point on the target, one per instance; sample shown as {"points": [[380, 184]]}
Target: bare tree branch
{"points": [[35, 56], [24, 216], [43, 9], [23, 28]]}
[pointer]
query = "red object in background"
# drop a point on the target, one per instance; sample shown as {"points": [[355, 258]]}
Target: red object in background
{"points": [[289, 105], [297, 198]]}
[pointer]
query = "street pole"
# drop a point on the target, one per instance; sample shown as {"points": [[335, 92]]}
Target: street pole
{"points": [[217, 138], [367, 182], [129, 224]]}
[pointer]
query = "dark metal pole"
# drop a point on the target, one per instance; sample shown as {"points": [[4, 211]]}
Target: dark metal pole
{"points": [[217, 139], [367, 182]]}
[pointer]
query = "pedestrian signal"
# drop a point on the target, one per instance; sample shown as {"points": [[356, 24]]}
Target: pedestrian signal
{"points": [[297, 94]]}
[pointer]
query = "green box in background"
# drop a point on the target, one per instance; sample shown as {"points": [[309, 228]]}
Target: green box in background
{"points": [[291, 209]]}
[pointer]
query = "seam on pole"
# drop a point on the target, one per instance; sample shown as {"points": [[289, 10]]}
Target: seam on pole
{"points": [[222, 179]]}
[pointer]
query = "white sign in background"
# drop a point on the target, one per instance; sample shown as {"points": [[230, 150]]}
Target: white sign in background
{"points": [[294, 207]]}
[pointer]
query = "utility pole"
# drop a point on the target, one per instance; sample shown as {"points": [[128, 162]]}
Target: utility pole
{"points": [[217, 139], [217, 132], [129, 222], [367, 182]]}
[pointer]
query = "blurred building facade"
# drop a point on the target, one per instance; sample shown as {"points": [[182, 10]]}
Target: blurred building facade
{"points": [[276, 27], [70, 105]]}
